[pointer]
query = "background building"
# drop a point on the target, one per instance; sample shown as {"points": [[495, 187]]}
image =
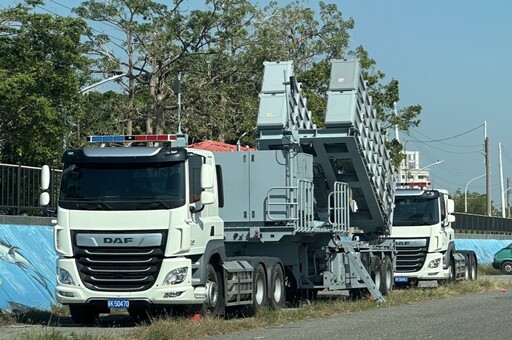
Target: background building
{"points": [[410, 173]]}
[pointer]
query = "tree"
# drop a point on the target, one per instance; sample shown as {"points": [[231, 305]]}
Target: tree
{"points": [[156, 39], [384, 98], [476, 203], [220, 52], [41, 69]]}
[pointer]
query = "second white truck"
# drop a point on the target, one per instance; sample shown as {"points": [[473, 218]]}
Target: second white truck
{"points": [[425, 239]]}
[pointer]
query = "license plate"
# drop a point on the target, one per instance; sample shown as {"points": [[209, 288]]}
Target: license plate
{"points": [[118, 303], [401, 279]]}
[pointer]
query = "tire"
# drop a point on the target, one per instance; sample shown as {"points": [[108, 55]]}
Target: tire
{"points": [[506, 267], [215, 303], [467, 267], [451, 272], [277, 293], [473, 271], [83, 314], [386, 276], [259, 289]]}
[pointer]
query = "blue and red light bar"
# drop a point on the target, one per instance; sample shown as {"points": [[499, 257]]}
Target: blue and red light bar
{"points": [[132, 138]]}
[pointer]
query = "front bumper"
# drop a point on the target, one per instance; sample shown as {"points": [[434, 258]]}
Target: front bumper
{"points": [[426, 272], [178, 294]]}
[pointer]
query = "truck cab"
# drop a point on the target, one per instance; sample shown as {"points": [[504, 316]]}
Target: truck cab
{"points": [[423, 235]]}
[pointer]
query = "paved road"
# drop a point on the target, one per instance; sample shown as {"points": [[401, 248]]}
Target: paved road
{"points": [[476, 316]]}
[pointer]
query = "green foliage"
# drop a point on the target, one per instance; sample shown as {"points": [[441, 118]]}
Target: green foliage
{"points": [[476, 203], [40, 63], [384, 98], [219, 50]]}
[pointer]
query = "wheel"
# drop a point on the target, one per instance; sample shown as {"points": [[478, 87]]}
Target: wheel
{"points": [[83, 314], [506, 267], [467, 264], [277, 295], [386, 276], [451, 272], [215, 303], [473, 270], [259, 289]]}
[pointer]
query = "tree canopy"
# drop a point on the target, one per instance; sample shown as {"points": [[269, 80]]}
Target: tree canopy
{"points": [[476, 203], [41, 68], [217, 48]]}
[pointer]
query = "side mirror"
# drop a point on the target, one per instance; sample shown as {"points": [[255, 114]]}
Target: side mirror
{"points": [[45, 177], [207, 197], [207, 176], [450, 218], [44, 199], [451, 206]]}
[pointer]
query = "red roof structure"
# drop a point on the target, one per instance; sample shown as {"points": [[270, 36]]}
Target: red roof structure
{"points": [[217, 146]]}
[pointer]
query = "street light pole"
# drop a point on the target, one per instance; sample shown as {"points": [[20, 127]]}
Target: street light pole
{"points": [[504, 192], [426, 167], [466, 192], [90, 87]]}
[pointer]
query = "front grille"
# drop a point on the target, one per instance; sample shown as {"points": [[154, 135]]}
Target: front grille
{"points": [[119, 268], [410, 259]]}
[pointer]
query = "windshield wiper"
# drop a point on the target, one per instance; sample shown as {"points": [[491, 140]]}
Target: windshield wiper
{"points": [[153, 204], [94, 205]]}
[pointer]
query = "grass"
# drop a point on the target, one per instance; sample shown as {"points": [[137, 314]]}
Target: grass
{"points": [[183, 329], [487, 269]]}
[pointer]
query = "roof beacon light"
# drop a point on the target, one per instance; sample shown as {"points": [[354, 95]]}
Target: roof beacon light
{"points": [[132, 138]]}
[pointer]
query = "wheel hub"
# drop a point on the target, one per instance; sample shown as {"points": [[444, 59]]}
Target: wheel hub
{"points": [[211, 293]]}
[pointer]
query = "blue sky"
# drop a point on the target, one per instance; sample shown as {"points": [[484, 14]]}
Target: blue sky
{"points": [[452, 58]]}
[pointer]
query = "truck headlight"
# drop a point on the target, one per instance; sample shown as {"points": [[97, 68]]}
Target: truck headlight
{"points": [[176, 276], [64, 277], [434, 263]]}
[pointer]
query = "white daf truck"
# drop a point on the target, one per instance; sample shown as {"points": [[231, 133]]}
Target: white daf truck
{"points": [[425, 239], [169, 227]]}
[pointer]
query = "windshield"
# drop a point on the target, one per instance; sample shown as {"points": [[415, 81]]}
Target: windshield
{"points": [[122, 186], [416, 211]]}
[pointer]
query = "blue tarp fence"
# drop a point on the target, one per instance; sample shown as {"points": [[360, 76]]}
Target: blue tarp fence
{"points": [[27, 268], [484, 249]]}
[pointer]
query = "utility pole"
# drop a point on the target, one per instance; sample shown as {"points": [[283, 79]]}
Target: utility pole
{"points": [[502, 192], [487, 171], [397, 134], [508, 197]]}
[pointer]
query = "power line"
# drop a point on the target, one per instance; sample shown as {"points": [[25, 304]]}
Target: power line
{"points": [[93, 29], [55, 2], [452, 137]]}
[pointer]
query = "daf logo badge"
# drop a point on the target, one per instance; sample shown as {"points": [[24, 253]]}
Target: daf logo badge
{"points": [[118, 239]]}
